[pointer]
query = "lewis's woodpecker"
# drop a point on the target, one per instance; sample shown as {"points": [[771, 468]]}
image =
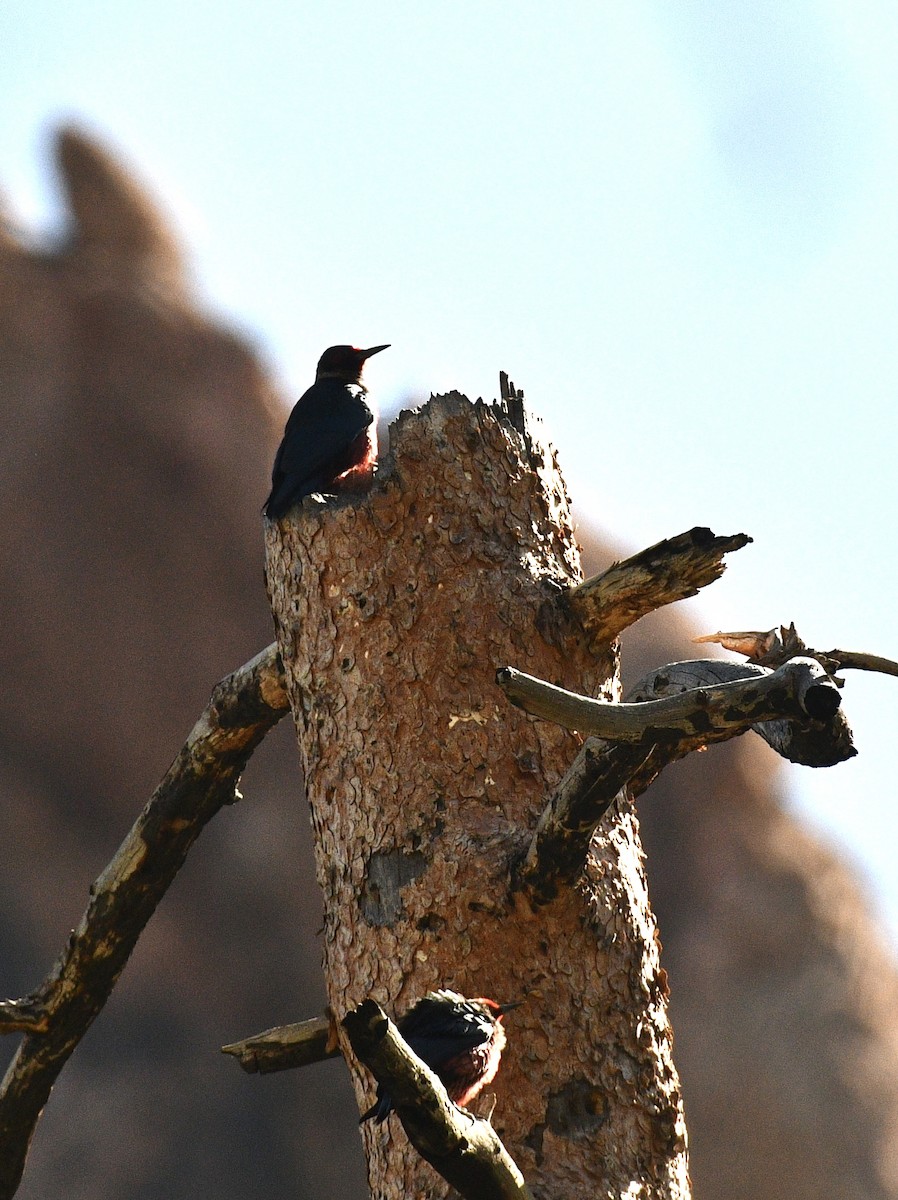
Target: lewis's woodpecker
{"points": [[461, 1040], [330, 436]]}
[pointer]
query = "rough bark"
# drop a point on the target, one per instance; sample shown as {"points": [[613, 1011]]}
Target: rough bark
{"points": [[392, 615]]}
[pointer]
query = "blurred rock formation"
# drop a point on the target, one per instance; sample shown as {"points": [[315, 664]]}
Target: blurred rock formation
{"points": [[138, 435]]}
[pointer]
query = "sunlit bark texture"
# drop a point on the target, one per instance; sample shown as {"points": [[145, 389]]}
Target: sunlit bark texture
{"points": [[393, 612]]}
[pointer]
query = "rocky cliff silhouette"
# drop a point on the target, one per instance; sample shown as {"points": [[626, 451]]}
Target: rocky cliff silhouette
{"points": [[138, 435]]}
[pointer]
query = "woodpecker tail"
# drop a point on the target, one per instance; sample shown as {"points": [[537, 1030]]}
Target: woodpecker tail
{"points": [[379, 1110]]}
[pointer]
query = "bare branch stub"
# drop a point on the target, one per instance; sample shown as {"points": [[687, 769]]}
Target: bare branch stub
{"points": [[859, 660], [202, 779], [465, 1150], [286, 1046], [671, 570], [769, 647]]}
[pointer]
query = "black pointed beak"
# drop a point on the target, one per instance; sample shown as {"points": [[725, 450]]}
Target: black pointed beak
{"points": [[374, 350], [505, 1008]]}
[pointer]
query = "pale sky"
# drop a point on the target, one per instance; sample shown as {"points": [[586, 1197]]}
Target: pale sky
{"points": [[675, 224]]}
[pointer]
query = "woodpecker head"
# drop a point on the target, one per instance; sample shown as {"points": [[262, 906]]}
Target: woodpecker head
{"points": [[494, 1010], [452, 1015], [446, 1001], [345, 362]]}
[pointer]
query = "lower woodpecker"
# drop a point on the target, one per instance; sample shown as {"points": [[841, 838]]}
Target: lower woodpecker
{"points": [[461, 1040]]}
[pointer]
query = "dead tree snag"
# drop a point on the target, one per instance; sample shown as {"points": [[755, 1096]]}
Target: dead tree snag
{"points": [[392, 616]]}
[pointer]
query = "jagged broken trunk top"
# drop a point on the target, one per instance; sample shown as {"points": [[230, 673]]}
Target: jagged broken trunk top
{"points": [[393, 612]]}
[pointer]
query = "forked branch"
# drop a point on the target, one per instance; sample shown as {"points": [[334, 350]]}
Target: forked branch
{"points": [[812, 742], [677, 709]]}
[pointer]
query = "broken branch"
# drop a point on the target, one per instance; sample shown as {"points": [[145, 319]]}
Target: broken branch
{"points": [[557, 851], [671, 570], [859, 661], [286, 1046]]}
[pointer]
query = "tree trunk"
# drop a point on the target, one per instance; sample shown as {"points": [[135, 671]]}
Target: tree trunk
{"points": [[393, 612]]}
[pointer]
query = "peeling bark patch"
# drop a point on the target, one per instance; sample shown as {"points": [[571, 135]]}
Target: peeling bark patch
{"points": [[388, 872], [578, 1110]]}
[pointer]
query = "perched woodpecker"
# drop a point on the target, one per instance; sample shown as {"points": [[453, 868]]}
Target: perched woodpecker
{"points": [[461, 1040], [331, 435]]}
